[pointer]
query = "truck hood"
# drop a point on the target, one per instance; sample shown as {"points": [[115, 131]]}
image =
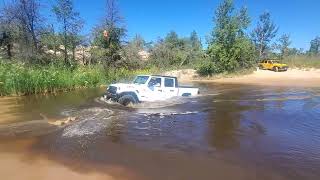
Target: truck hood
{"points": [[280, 65], [122, 86]]}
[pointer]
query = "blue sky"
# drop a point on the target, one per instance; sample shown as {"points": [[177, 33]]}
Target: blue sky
{"points": [[154, 18]]}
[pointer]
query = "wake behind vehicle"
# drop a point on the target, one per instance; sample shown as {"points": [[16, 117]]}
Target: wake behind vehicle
{"points": [[273, 65], [148, 88]]}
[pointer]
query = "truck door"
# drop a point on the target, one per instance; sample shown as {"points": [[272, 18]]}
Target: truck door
{"points": [[270, 65], [155, 91], [170, 88]]}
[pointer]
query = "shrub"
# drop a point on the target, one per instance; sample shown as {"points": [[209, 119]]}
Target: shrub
{"points": [[23, 79], [303, 61], [207, 68]]}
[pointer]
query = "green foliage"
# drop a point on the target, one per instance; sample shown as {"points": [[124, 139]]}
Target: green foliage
{"points": [[195, 42], [264, 33], [229, 48], [20, 23], [130, 53], [315, 46], [22, 79], [175, 51], [51, 40], [109, 35], [284, 43], [207, 68], [173, 41], [295, 52], [111, 43], [71, 24], [302, 61]]}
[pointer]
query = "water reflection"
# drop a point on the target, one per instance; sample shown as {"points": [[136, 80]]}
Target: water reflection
{"points": [[28, 108], [269, 126], [227, 117]]}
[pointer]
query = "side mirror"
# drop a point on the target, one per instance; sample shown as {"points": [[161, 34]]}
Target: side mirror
{"points": [[158, 85]]}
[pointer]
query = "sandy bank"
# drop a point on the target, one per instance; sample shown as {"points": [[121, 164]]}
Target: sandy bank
{"points": [[41, 169], [18, 162], [292, 77]]}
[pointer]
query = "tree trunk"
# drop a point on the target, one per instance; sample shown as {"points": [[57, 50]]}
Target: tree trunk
{"points": [[35, 43], [65, 54], [260, 52], [83, 57], [65, 43], [74, 53], [55, 42], [9, 50], [55, 51], [34, 38]]}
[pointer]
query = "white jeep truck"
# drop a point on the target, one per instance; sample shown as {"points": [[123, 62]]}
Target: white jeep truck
{"points": [[148, 88]]}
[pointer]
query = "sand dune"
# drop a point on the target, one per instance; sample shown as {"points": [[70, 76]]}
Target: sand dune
{"points": [[293, 77]]}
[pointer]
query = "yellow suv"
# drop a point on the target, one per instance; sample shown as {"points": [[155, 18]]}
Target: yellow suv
{"points": [[273, 65]]}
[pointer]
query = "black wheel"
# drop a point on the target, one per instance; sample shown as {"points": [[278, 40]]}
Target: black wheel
{"points": [[260, 67], [275, 69], [125, 100], [106, 97]]}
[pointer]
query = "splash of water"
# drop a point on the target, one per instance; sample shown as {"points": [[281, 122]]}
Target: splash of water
{"points": [[91, 121]]}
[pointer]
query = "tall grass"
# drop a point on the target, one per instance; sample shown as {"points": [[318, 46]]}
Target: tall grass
{"points": [[303, 61], [22, 79]]}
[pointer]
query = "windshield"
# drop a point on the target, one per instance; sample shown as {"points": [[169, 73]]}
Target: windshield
{"points": [[276, 62], [141, 80]]}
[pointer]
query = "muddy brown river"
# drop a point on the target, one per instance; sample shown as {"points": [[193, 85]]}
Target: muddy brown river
{"points": [[228, 132]]}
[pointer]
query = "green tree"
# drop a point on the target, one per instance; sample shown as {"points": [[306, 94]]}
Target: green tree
{"points": [[163, 54], [51, 40], [74, 38], [315, 46], [195, 41], [173, 51], [131, 53], [21, 24], [295, 52], [172, 40], [138, 42], [28, 13], [71, 24], [194, 50], [6, 32], [108, 36], [284, 43], [229, 47], [264, 33], [6, 41]]}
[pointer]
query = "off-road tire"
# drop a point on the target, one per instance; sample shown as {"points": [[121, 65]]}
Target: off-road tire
{"points": [[260, 67], [126, 100], [105, 96], [276, 69]]}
